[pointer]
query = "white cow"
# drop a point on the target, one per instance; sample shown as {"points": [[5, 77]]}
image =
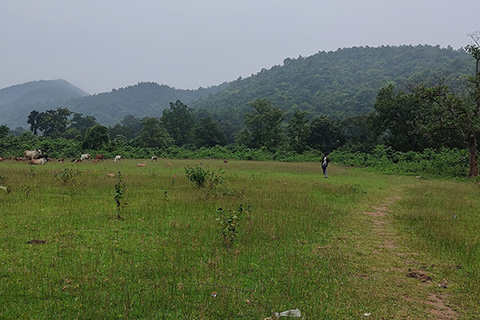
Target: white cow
{"points": [[31, 154], [117, 158], [154, 158], [85, 156]]}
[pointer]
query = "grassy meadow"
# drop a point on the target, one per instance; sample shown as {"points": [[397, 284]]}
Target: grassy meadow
{"points": [[356, 245]]}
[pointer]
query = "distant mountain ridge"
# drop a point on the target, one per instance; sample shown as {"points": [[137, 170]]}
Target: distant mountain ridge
{"points": [[40, 91], [16, 102], [141, 100], [338, 83], [146, 99]]}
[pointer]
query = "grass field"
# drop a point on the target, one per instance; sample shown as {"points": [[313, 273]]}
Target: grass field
{"points": [[356, 245]]}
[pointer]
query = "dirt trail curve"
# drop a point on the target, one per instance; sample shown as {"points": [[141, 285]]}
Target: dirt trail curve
{"points": [[401, 265]]}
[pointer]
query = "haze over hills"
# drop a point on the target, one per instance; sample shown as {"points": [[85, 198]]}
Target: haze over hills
{"points": [[340, 83], [146, 99], [142, 100], [16, 102]]}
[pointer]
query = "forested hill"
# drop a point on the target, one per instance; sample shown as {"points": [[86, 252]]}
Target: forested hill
{"points": [[340, 83], [142, 100], [146, 99], [40, 91], [17, 101]]}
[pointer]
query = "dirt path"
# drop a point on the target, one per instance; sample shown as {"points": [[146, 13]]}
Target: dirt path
{"points": [[410, 275]]}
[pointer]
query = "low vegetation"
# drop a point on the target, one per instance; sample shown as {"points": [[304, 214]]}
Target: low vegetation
{"points": [[354, 245]]}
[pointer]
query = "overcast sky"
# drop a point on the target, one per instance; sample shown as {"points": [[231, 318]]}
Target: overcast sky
{"points": [[98, 45]]}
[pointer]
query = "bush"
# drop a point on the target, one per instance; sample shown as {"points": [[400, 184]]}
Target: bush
{"points": [[204, 177], [444, 162]]}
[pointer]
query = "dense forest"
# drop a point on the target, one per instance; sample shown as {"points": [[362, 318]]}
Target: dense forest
{"points": [[351, 100], [340, 83]]}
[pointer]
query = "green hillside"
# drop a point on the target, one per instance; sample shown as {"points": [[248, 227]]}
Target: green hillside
{"points": [[145, 99], [341, 83], [338, 84], [16, 102]]}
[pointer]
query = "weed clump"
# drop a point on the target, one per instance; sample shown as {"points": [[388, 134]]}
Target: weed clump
{"points": [[204, 177], [229, 221], [67, 176]]}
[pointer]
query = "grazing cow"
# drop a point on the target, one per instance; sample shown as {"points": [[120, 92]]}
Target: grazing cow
{"points": [[85, 156], [20, 159], [169, 164], [154, 158], [38, 161], [100, 157], [43, 156], [1, 159], [31, 154], [61, 160], [117, 158], [225, 161]]}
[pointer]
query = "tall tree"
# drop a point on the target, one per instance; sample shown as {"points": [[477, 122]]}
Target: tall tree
{"points": [[325, 134], [179, 121], [458, 112], [400, 114], [34, 120], [298, 131], [82, 123], [263, 125], [208, 134], [362, 133], [53, 123], [153, 134], [96, 138]]}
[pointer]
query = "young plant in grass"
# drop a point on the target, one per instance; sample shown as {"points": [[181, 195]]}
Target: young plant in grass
{"points": [[229, 221], [32, 171], [67, 176], [119, 193], [205, 177]]}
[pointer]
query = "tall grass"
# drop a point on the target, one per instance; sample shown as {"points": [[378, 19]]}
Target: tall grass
{"points": [[66, 255]]}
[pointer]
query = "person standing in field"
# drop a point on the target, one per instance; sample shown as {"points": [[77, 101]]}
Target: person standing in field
{"points": [[325, 161]]}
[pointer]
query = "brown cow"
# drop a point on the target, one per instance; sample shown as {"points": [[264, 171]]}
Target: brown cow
{"points": [[37, 161], [100, 157]]}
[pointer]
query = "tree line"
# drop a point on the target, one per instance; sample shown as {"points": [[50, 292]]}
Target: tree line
{"points": [[426, 114]]}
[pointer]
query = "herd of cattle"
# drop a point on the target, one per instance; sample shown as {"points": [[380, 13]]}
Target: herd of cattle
{"points": [[37, 157]]}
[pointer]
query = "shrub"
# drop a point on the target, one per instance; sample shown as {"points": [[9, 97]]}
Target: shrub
{"points": [[204, 177]]}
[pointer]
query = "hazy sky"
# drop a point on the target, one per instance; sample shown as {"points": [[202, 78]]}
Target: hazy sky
{"points": [[98, 45]]}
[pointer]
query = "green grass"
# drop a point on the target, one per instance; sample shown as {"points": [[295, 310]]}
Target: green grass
{"points": [[304, 243]]}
